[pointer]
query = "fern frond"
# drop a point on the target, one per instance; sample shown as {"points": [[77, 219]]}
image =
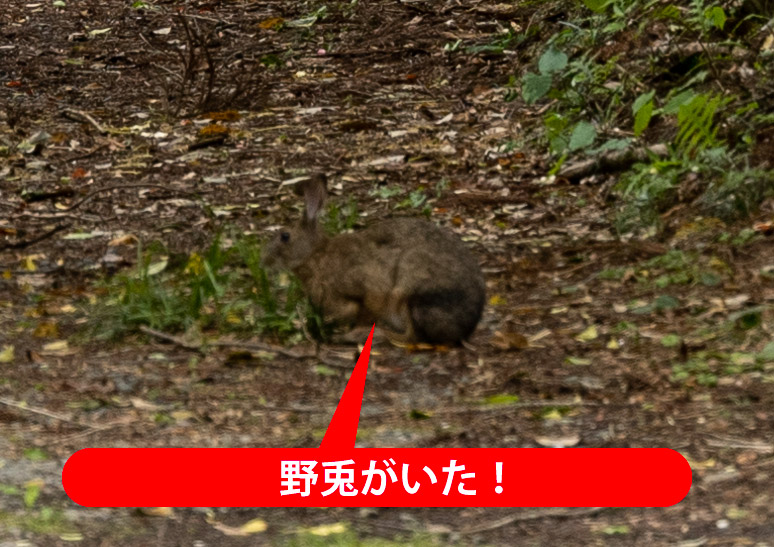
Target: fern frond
{"points": [[695, 120]]}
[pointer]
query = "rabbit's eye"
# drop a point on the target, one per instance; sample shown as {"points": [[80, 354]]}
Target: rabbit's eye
{"points": [[285, 237]]}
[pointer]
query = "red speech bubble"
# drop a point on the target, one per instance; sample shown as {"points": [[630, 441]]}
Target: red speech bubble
{"points": [[339, 475]]}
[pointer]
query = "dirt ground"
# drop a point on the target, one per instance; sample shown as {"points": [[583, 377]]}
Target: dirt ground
{"points": [[564, 356]]}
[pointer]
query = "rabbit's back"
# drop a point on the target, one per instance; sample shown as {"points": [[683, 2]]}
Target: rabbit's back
{"points": [[437, 275], [409, 275]]}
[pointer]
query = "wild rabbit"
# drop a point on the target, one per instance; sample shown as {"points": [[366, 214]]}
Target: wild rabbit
{"points": [[411, 277]]}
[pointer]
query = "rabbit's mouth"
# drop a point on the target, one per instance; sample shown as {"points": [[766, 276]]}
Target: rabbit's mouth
{"points": [[269, 260], [270, 264]]}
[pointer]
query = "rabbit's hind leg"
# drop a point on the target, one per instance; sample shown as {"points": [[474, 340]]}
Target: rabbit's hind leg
{"points": [[396, 318]]}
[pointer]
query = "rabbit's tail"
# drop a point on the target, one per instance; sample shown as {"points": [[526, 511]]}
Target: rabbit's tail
{"points": [[442, 316]]}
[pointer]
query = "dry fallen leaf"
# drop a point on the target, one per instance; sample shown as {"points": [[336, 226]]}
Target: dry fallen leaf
{"points": [[706, 464], [128, 239], [736, 302], [328, 529], [29, 263], [558, 442], [157, 511], [509, 340], [552, 415], [272, 23], [539, 336], [746, 457], [768, 43], [78, 173], [182, 415], [6, 356], [141, 404], [496, 300], [587, 335], [254, 526], [46, 329], [57, 346]]}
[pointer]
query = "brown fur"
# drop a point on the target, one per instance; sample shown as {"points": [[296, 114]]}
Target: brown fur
{"points": [[411, 277]]}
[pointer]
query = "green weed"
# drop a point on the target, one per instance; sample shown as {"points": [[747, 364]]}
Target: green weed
{"points": [[46, 521], [223, 288], [340, 218], [591, 94]]}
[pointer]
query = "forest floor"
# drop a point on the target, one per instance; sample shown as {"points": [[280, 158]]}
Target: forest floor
{"points": [[588, 339]]}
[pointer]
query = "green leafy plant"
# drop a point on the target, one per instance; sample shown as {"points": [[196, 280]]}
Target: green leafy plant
{"points": [[643, 112], [340, 218], [706, 367], [592, 93], [537, 86], [224, 288], [416, 199], [695, 119], [498, 44]]}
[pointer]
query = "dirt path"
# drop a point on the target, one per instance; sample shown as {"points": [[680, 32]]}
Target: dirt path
{"points": [[587, 340]]}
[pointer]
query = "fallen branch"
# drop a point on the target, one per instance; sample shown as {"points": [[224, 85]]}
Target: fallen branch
{"points": [[617, 160], [367, 52], [125, 187], [80, 116], [60, 216], [258, 346], [727, 442], [176, 340], [532, 515], [88, 154], [34, 197], [42, 412], [494, 525], [507, 406], [90, 431], [249, 346], [37, 239]]}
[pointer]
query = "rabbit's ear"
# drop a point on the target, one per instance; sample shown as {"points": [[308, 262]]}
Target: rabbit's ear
{"points": [[314, 197]]}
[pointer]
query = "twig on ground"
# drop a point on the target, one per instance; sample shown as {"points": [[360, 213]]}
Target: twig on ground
{"points": [[728, 442], [89, 153], [59, 216], [41, 412], [90, 431], [210, 19], [258, 346], [524, 404], [79, 116], [37, 239], [532, 515], [172, 339], [249, 346], [616, 160], [505, 521], [125, 187]]}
